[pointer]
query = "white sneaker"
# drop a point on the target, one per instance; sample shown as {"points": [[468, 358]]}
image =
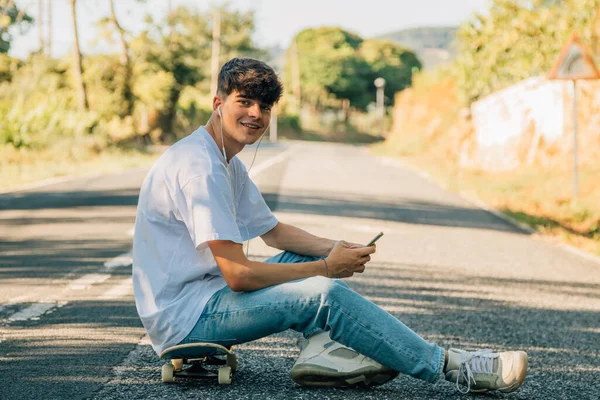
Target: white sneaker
{"points": [[324, 362], [482, 371]]}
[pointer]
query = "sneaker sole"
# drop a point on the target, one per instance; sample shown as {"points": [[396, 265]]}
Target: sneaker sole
{"points": [[520, 374], [319, 376]]}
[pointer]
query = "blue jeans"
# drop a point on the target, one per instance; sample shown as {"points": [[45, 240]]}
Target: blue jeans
{"points": [[313, 305]]}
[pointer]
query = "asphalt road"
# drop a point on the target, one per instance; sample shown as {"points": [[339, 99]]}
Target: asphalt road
{"points": [[456, 274]]}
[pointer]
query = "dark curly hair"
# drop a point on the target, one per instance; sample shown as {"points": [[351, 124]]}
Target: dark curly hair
{"points": [[253, 78]]}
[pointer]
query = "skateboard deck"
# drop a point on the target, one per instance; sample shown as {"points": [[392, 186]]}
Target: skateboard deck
{"points": [[191, 361]]}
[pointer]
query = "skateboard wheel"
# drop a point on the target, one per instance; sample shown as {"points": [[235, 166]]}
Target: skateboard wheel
{"points": [[177, 364], [167, 373], [224, 375], [232, 362]]}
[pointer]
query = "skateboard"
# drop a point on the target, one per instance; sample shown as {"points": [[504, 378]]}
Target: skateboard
{"points": [[190, 361]]}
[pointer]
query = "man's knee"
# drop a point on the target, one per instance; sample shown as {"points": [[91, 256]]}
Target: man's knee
{"points": [[340, 282], [322, 286]]}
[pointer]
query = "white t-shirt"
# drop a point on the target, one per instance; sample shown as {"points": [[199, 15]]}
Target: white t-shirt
{"points": [[190, 196]]}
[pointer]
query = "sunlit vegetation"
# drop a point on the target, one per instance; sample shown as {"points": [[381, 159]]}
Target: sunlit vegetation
{"points": [[517, 39]]}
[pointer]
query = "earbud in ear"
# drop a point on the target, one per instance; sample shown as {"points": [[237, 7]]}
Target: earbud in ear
{"points": [[219, 111]]}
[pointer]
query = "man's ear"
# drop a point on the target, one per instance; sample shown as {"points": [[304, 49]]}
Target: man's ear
{"points": [[217, 101]]}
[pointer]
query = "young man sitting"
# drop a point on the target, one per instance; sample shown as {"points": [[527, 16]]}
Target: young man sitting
{"points": [[193, 282]]}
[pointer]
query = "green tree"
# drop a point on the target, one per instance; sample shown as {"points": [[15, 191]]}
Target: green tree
{"points": [[8, 66], [11, 17], [390, 61], [177, 54], [77, 64], [328, 65], [110, 25], [333, 62], [125, 62]]}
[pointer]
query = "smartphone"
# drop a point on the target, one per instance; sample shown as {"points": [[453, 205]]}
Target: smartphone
{"points": [[376, 238]]}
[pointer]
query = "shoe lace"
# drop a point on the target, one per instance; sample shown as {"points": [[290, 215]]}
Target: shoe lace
{"points": [[472, 363]]}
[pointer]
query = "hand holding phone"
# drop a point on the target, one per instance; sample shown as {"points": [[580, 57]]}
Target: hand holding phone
{"points": [[376, 238]]}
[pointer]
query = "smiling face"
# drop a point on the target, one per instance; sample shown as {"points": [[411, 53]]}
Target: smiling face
{"points": [[246, 91], [244, 119]]}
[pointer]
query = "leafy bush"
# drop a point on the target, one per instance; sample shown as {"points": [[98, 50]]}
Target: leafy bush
{"points": [[289, 123], [194, 108], [105, 80], [8, 66]]}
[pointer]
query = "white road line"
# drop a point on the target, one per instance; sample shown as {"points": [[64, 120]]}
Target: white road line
{"points": [[122, 289], [135, 356], [269, 163], [484, 206], [122, 260], [15, 300], [86, 281], [39, 184], [119, 291], [34, 311]]}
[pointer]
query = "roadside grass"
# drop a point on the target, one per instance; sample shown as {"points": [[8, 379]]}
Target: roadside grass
{"points": [[539, 197], [19, 167], [430, 133], [22, 166]]}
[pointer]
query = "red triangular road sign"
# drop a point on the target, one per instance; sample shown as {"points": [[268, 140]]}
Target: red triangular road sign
{"points": [[574, 62]]}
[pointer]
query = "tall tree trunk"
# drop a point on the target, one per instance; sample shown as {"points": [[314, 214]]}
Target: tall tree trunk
{"points": [[127, 92], [77, 66], [49, 38], [41, 26], [124, 49], [169, 123]]}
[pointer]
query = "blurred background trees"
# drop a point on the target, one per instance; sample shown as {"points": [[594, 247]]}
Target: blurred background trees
{"points": [[153, 90], [331, 69], [335, 63], [156, 86]]}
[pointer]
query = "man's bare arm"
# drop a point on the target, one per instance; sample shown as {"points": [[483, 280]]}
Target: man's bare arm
{"points": [[290, 238], [243, 275]]}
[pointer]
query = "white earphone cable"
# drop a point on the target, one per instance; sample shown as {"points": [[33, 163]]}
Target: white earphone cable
{"points": [[231, 183], [251, 164], [222, 138]]}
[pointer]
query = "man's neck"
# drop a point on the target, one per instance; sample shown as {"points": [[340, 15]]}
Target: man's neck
{"points": [[214, 130]]}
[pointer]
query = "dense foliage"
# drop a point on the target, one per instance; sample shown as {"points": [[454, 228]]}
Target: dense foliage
{"points": [[168, 81], [157, 87], [335, 63], [11, 18], [518, 39]]}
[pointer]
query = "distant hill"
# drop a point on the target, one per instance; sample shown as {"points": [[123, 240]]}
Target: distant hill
{"points": [[433, 45]]}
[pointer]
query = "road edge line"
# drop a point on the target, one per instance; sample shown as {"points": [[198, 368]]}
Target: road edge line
{"points": [[486, 207]]}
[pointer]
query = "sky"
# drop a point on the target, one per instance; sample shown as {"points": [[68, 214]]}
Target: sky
{"points": [[277, 21]]}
